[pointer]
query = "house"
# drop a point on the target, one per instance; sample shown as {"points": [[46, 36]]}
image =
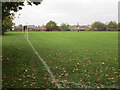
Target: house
{"points": [[32, 27], [85, 27], [18, 28], [42, 28], [74, 28], [78, 27]]}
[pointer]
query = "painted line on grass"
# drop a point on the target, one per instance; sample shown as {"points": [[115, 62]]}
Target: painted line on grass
{"points": [[56, 81], [43, 62]]}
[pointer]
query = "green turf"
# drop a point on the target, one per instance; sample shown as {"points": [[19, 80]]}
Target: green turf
{"points": [[89, 59]]}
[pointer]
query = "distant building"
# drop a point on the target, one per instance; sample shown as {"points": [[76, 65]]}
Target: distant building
{"points": [[74, 28], [18, 28], [42, 28], [32, 27], [85, 27], [78, 27]]}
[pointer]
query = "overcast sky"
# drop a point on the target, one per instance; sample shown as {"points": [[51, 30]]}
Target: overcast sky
{"points": [[69, 11]]}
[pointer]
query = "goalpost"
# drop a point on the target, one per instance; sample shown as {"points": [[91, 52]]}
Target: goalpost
{"points": [[25, 30]]}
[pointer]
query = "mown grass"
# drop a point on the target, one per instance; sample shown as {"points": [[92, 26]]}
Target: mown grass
{"points": [[89, 59]]}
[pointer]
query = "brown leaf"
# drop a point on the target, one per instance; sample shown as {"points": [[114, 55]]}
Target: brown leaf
{"points": [[19, 79], [54, 81]]}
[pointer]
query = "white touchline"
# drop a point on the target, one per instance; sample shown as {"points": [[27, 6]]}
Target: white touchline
{"points": [[44, 63]]}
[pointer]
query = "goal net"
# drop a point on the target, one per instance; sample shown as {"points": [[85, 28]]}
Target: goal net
{"points": [[25, 30]]}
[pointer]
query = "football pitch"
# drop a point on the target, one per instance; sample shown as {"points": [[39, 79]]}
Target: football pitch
{"points": [[75, 59]]}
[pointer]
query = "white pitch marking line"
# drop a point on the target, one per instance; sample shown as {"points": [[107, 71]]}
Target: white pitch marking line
{"points": [[44, 63]]}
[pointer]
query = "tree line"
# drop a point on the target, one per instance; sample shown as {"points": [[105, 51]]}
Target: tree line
{"points": [[52, 26], [111, 26], [96, 26]]}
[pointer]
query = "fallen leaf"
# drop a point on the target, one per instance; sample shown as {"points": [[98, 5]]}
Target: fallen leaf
{"points": [[54, 81]]}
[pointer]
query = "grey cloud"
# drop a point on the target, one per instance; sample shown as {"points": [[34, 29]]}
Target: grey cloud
{"points": [[70, 11]]}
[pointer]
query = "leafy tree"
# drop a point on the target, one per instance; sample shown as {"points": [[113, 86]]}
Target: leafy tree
{"points": [[64, 27], [51, 25], [119, 26], [112, 26], [99, 26], [7, 7], [7, 23]]}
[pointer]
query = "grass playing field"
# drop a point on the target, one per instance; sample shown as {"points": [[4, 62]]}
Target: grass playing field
{"points": [[88, 59]]}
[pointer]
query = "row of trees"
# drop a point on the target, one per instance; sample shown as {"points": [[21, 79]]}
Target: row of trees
{"points": [[99, 26], [52, 26], [96, 26]]}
